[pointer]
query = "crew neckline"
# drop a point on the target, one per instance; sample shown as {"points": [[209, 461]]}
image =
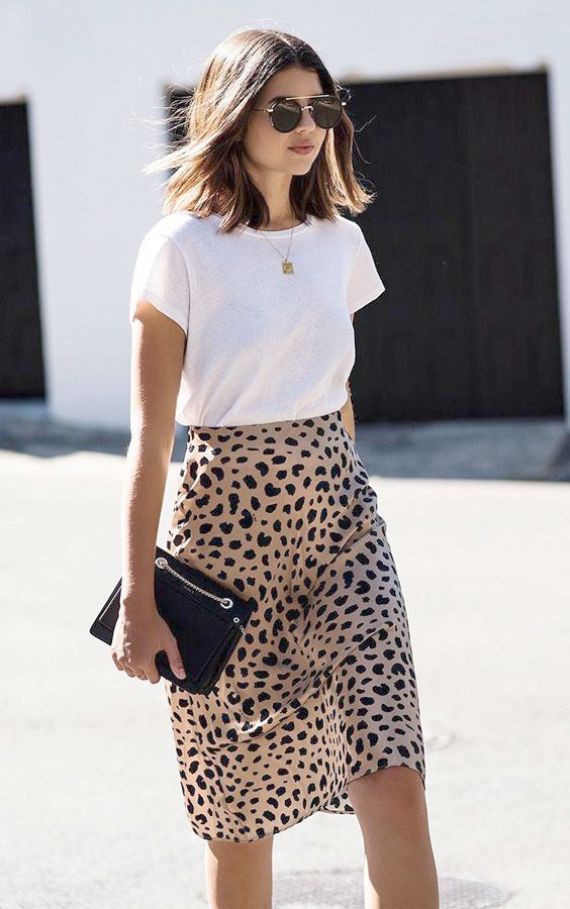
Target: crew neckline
{"points": [[285, 232]]}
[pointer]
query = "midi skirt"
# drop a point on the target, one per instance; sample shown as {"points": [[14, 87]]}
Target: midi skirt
{"points": [[321, 688]]}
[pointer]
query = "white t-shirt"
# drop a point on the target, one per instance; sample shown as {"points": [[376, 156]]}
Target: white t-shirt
{"points": [[261, 345]]}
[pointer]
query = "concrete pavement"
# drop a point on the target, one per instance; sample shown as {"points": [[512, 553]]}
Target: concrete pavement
{"points": [[92, 812]]}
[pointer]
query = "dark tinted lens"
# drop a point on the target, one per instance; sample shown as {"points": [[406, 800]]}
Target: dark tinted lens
{"points": [[286, 115], [327, 112]]}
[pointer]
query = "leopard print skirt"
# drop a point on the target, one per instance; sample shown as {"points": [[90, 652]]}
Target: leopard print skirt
{"points": [[321, 688]]}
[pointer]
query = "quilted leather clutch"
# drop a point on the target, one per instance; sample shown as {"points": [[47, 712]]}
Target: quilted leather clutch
{"points": [[206, 619]]}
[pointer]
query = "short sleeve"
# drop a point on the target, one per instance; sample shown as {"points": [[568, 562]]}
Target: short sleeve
{"points": [[161, 277], [365, 283]]}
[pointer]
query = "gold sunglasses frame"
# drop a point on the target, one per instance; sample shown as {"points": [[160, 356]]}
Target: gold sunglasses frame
{"points": [[302, 107]]}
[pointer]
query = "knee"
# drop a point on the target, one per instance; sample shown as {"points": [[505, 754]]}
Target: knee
{"points": [[227, 851], [389, 793]]}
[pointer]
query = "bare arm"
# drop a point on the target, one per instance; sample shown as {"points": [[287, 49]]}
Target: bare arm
{"points": [[156, 366], [347, 410], [157, 356]]}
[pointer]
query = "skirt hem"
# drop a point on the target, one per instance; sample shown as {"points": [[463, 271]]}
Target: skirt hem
{"points": [[265, 832]]}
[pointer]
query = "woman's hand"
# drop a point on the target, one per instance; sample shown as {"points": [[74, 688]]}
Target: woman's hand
{"points": [[140, 632]]}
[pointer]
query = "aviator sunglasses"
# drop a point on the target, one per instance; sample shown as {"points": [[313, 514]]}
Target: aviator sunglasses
{"points": [[285, 113]]}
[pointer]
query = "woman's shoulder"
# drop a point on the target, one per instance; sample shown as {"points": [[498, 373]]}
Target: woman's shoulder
{"points": [[348, 227], [348, 232], [181, 226]]}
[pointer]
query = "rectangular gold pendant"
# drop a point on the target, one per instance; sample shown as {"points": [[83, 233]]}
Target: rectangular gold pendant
{"points": [[287, 267]]}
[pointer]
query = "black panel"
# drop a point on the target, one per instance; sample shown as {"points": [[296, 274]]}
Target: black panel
{"points": [[463, 235], [21, 361]]}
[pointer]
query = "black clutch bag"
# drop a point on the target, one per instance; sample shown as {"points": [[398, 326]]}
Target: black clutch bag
{"points": [[206, 619]]}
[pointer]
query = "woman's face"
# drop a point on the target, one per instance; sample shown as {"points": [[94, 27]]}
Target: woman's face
{"points": [[269, 149]]}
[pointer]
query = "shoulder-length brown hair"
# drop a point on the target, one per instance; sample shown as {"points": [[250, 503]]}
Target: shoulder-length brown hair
{"points": [[208, 173]]}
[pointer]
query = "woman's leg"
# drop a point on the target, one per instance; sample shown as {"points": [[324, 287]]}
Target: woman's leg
{"points": [[239, 874], [399, 869]]}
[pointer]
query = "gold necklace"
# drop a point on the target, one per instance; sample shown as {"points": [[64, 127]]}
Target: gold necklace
{"points": [[286, 264]]}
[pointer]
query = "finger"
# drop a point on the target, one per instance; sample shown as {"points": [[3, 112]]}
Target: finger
{"points": [[152, 673], [123, 667], [175, 661], [117, 662]]}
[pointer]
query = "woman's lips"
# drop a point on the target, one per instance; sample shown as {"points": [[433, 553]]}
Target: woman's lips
{"points": [[302, 149]]}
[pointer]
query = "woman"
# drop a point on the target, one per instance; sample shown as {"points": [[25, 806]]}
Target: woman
{"points": [[242, 303]]}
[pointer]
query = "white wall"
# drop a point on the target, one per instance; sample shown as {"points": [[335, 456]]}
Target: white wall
{"points": [[91, 70]]}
